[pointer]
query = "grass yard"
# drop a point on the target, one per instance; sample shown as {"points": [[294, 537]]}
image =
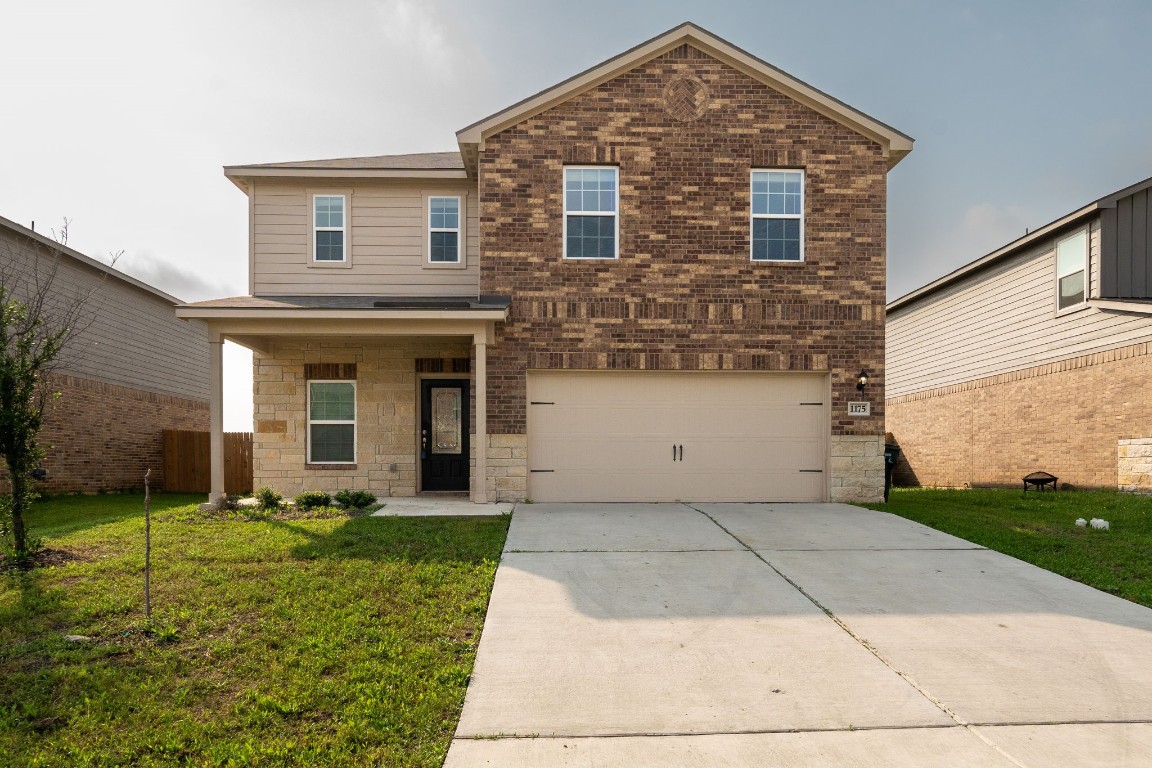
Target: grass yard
{"points": [[331, 640], [1039, 528]]}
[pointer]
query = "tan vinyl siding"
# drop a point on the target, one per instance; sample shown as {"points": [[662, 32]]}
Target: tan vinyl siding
{"points": [[999, 320], [387, 241], [133, 339]]}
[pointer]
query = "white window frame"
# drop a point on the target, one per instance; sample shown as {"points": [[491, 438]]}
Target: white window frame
{"points": [[343, 228], [1083, 267], [615, 213], [310, 421], [776, 216], [461, 201]]}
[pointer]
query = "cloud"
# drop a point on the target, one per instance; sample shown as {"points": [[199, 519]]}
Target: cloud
{"points": [[982, 228], [182, 283], [425, 31], [987, 226]]}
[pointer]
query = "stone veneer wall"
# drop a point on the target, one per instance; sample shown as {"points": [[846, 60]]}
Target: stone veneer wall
{"points": [[387, 406], [857, 468], [104, 437], [1066, 418], [1134, 465], [507, 467], [685, 131]]}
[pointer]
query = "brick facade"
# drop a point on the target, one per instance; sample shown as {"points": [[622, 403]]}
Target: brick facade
{"points": [[684, 294], [104, 437], [1065, 418]]}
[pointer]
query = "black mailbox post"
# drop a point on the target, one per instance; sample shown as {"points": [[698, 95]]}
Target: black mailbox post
{"points": [[891, 454]]}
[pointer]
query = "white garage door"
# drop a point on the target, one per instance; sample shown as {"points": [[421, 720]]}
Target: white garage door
{"points": [[648, 436]]}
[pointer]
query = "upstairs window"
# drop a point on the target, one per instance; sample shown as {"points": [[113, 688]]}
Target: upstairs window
{"points": [[328, 228], [1071, 269], [591, 200], [777, 215], [444, 230]]}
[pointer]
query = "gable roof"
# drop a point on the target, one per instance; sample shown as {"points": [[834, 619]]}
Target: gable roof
{"points": [[896, 144], [86, 261], [1018, 245], [440, 165]]}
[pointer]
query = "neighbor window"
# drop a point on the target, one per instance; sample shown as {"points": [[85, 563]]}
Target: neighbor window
{"points": [[331, 422], [328, 215], [1071, 269], [591, 199], [777, 215], [444, 230]]}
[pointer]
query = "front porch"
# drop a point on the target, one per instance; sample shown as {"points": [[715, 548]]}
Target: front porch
{"points": [[359, 393]]}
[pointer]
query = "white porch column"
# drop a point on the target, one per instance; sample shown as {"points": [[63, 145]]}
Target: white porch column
{"points": [[216, 419], [480, 486]]}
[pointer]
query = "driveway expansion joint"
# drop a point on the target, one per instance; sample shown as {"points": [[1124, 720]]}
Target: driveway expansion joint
{"points": [[681, 734], [863, 642], [609, 551]]}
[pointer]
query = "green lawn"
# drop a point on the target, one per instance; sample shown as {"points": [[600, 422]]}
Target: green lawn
{"points": [[1039, 528], [333, 640]]}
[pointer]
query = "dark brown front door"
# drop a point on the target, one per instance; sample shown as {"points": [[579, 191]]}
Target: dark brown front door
{"points": [[444, 455]]}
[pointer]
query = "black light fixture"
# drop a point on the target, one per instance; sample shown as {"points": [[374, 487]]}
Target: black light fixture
{"points": [[861, 380]]}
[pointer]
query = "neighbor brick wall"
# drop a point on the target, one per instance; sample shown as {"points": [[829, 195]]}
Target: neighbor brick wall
{"points": [[684, 295], [101, 437], [1064, 418]]}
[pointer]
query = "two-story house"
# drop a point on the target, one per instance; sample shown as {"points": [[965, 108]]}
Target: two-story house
{"points": [[1034, 357], [658, 280]]}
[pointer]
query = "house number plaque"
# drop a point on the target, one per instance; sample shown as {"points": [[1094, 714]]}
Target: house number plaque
{"points": [[860, 409]]}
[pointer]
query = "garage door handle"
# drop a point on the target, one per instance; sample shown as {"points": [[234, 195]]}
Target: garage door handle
{"points": [[674, 458], [681, 452]]}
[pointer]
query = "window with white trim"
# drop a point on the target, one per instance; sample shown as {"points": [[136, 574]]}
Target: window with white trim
{"points": [[1071, 270], [591, 200], [328, 216], [444, 230], [331, 422], [777, 215]]}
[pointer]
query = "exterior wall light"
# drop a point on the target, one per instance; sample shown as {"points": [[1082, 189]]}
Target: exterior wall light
{"points": [[861, 381]]}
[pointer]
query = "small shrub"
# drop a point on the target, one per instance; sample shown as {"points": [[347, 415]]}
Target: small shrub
{"points": [[312, 500], [355, 499], [268, 500]]}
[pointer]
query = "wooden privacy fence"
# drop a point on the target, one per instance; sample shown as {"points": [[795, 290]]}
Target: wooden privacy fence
{"points": [[187, 461]]}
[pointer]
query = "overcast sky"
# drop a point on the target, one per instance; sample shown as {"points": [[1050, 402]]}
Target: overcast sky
{"points": [[119, 115]]}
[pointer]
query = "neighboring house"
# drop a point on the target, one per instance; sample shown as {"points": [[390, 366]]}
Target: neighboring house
{"points": [[662, 277], [131, 372], [1037, 356]]}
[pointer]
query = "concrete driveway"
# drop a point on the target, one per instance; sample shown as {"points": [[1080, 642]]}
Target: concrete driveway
{"points": [[793, 635]]}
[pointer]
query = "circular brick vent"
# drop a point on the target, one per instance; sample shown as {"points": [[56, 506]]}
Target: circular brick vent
{"points": [[685, 98]]}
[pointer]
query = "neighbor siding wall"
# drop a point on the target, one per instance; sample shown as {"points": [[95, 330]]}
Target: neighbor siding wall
{"points": [[1000, 320], [387, 241], [1064, 418], [127, 335], [684, 295]]}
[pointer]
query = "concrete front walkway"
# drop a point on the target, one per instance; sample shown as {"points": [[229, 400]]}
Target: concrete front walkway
{"points": [[793, 635]]}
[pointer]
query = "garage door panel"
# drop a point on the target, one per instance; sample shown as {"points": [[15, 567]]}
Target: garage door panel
{"points": [[761, 421], [763, 456], [586, 453], [609, 436]]}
